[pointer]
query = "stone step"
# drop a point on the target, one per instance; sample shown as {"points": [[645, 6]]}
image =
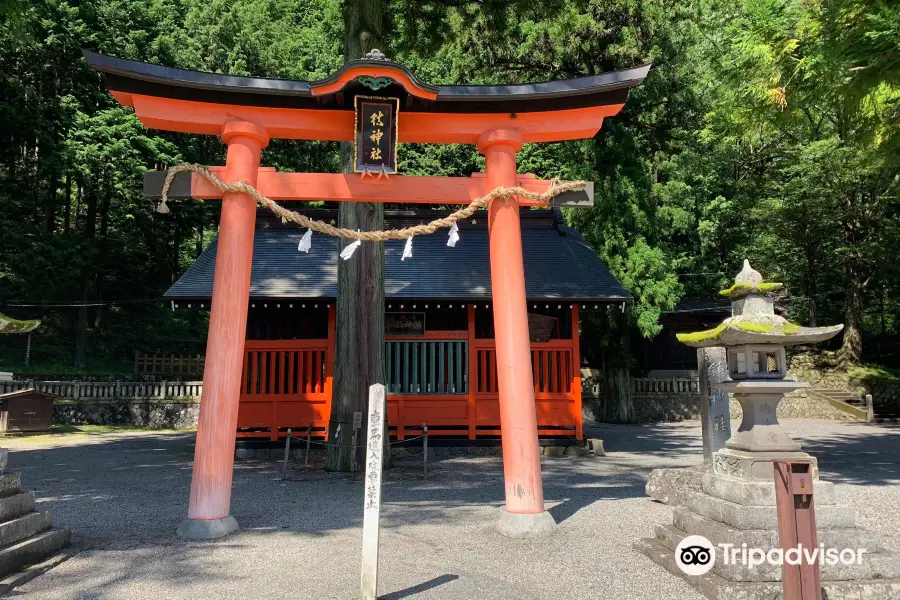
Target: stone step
{"points": [[715, 587], [718, 533], [24, 527], [832, 392], [872, 566], [17, 578], [15, 506], [33, 550], [758, 493], [829, 516], [10, 484]]}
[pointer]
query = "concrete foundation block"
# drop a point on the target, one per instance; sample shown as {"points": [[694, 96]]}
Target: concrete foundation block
{"points": [[516, 525], [578, 452], [244, 453], [595, 446], [669, 485], [207, 529], [554, 451]]}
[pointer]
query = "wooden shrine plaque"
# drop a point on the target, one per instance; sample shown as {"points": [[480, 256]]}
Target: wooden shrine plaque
{"points": [[405, 323], [376, 134]]}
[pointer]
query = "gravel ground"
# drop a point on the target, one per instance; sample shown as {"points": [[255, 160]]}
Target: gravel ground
{"points": [[124, 495]]}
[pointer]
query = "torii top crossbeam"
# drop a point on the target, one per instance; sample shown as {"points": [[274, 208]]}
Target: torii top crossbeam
{"points": [[194, 102], [350, 105]]}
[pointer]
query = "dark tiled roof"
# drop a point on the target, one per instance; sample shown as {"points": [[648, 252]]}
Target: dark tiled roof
{"points": [[556, 266]]}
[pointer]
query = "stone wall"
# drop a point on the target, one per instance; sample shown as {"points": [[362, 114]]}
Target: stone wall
{"points": [[662, 400], [165, 414], [665, 400], [800, 405]]}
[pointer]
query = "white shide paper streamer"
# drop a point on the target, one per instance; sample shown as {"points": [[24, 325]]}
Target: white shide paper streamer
{"points": [[347, 252], [454, 236], [305, 242], [407, 249]]}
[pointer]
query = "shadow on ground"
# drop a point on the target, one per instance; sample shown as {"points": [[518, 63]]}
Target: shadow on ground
{"points": [[124, 495]]}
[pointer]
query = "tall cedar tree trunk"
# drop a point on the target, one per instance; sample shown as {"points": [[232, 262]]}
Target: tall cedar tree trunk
{"points": [[81, 325], [812, 285], [101, 247], [359, 344], [67, 213], [851, 346], [50, 206]]}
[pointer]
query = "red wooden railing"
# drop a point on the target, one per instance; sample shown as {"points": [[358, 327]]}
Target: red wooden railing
{"points": [[557, 388], [287, 384]]}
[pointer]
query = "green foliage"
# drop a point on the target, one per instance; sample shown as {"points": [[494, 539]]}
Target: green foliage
{"points": [[874, 372], [767, 130]]}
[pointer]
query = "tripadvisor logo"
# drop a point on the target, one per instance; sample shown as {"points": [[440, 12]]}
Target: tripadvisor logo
{"points": [[696, 555]]}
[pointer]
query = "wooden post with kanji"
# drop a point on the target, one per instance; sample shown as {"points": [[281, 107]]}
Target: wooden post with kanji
{"points": [[372, 493]]}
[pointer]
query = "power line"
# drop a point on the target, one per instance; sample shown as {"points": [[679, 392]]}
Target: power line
{"points": [[67, 303]]}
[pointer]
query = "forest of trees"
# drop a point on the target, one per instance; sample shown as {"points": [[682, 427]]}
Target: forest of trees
{"points": [[767, 129]]}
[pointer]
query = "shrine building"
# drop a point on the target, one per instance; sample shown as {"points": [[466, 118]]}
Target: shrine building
{"points": [[440, 356]]}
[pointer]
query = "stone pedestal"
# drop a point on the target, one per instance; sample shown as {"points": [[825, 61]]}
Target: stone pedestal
{"points": [[736, 505]]}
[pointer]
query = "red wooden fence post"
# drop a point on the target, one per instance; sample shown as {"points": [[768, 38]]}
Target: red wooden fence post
{"points": [[472, 404], [576, 375], [797, 528]]}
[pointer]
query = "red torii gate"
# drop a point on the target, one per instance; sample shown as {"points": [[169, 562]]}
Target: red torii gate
{"points": [[247, 112]]}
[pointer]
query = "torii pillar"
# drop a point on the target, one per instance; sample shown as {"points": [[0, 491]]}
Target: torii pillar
{"points": [[524, 515], [209, 510]]}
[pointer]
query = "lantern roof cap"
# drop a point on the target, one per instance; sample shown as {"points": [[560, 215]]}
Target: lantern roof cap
{"points": [[753, 319]]}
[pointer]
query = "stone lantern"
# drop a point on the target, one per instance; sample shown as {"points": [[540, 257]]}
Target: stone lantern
{"points": [[754, 338], [734, 504]]}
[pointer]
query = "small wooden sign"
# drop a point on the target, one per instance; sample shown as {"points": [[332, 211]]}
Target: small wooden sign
{"points": [[404, 323], [376, 134], [372, 494]]}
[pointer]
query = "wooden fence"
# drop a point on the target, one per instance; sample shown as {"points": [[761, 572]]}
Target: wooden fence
{"points": [[426, 367], [160, 364], [666, 386], [110, 390]]}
